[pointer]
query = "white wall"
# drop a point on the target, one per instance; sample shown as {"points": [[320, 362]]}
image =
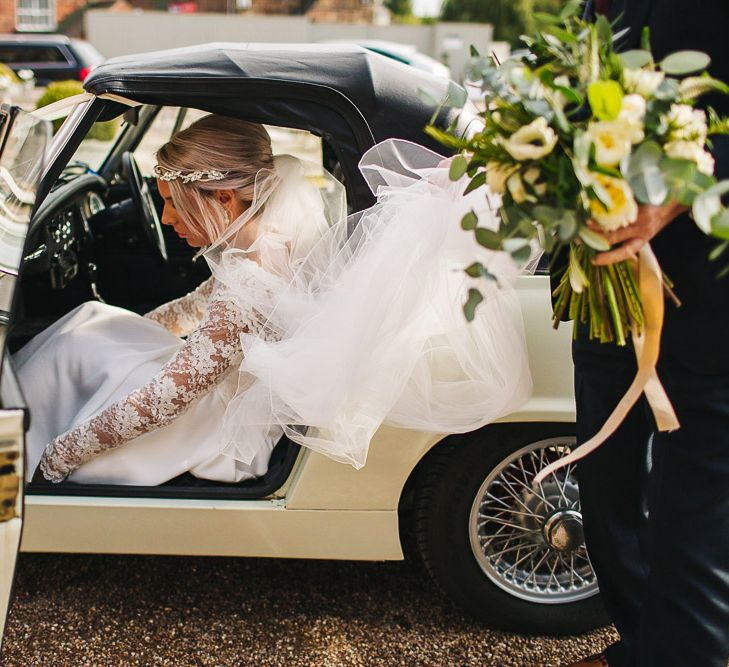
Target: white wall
{"points": [[122, 33]]}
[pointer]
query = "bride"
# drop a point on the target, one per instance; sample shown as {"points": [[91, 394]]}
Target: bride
{"points": [[312, 324]]}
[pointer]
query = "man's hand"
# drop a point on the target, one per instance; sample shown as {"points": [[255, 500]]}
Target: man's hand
{"points": [[651, 220]]}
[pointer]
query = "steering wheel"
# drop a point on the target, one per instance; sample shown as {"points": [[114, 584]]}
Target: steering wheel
{"points": [[144, 204]]}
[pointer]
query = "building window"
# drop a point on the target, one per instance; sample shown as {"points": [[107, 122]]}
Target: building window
{"points": [[35, 15]]}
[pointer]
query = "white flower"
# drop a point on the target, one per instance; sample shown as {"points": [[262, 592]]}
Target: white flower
{"points": [[632, 113], [686, 124], [612, 139], [690, 150], [497, 174], [531, 176], [532, 142], [642, 81], [623, 209], [518, 190]]}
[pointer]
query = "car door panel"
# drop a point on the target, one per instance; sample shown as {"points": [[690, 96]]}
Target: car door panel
{"points": [[23, 147]]}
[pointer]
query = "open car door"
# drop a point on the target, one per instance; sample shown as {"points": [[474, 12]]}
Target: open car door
{"points": [[23, 143]]}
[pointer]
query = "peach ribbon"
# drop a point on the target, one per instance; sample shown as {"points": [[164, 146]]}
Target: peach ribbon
{"points": [[647, 347]]}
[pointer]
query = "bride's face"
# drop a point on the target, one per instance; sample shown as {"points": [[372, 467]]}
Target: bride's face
{"points": [[170, 216]]}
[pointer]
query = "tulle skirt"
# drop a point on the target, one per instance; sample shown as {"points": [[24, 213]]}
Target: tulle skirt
{"points": [[371, 329]]}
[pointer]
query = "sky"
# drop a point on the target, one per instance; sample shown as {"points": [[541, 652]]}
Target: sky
{"points": [[427, 7]]}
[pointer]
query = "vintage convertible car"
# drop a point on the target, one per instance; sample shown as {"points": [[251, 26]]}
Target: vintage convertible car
{"points": [[510, 554]]}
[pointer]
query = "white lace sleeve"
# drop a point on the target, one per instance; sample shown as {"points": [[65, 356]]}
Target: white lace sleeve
{"points": [[183, 315], [202, 361]]}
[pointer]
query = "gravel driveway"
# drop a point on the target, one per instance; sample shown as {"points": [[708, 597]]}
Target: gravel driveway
{"points": [[132, 610]]}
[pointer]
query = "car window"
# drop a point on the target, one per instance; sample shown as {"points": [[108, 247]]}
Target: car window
{"points": [[299, 143], [89, 55], [97, 144], [157, 134], [26, 54]]}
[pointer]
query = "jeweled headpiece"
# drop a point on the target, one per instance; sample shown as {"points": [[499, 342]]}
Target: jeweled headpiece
{"points": [[188, 176]]}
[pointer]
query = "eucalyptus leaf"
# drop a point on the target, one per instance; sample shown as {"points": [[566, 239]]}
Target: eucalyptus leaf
{"points": [[606, 98], [469, 221], [457, 95], [649, 186], [668, 91], [539, 108], [648, 154], [594, 239], [567, 226], [458, 168], [522, 255], [547, 215], [476, 270], [720, 225], [488, 238], [708, 204], [684, 62], [636, 58], [476, 182], [469, 308], [677, 171]]}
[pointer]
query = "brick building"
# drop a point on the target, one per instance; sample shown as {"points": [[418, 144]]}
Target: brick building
{"points": [[36, 15], [339, 11], [55, 15]]}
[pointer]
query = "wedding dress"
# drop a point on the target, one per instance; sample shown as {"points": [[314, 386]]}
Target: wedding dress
{"points": [[324, 328], [103, 376]]}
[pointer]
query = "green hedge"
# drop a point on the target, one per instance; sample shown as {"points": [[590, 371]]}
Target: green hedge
{"points": [[59, 90]]}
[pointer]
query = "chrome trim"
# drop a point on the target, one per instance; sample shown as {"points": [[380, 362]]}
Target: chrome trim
{"points": [[64, 133]]}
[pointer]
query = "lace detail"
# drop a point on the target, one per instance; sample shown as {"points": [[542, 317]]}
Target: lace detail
{"points": [[209, 352], [183, 315]]}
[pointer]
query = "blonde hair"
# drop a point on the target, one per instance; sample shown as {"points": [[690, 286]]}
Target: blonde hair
{"points": [[237, 148]]}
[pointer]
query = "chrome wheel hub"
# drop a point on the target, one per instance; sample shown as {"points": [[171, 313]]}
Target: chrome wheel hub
{"points": [[529, 540]]}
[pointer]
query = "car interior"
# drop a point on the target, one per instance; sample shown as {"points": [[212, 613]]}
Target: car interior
{"points": [[96, 236]]}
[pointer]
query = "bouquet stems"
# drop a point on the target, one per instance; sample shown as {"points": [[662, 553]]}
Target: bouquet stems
{"points": [[609, 303]]}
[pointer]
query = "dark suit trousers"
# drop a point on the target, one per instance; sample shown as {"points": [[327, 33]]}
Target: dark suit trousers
{"points": [[656, 511]]}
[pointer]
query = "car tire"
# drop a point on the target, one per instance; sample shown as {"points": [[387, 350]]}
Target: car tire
{"points": [[460, 507]]}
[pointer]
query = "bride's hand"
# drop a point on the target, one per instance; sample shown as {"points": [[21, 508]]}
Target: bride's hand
{"points": [[57, 463]]}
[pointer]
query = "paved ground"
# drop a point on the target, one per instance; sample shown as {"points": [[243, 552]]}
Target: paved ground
{"points": [[103, 611]]}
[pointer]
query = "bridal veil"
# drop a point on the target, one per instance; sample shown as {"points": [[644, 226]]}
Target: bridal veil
{"points": [[366, 327]]}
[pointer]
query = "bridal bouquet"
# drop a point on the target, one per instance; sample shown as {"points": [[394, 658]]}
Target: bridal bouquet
{"points": [[575, 137]]}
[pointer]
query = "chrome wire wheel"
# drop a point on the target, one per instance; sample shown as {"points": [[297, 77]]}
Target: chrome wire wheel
{"points": [[527, 540]]}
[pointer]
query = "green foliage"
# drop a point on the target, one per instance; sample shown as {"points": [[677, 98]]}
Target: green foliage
{"points": [[59, 90], [510, 18], [399, 7]]}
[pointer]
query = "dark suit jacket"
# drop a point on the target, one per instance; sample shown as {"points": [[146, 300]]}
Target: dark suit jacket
{"points": [[697, 334]]}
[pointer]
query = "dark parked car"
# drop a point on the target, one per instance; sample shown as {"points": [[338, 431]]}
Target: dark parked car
{"points": [[50, 57]]}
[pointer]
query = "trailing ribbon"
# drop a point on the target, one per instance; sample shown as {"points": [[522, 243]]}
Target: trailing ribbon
{"points": [[647, 347]]}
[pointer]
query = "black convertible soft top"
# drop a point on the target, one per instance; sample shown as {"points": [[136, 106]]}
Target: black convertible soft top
{"points": [[350, 96]]}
